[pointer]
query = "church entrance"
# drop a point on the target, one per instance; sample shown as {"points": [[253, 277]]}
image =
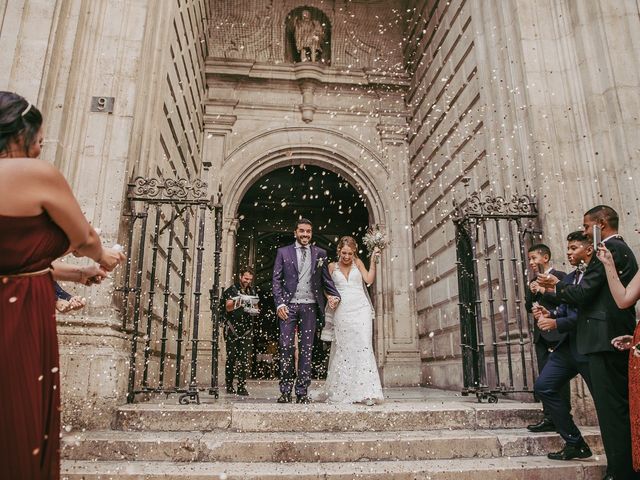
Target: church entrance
{"points": [[266, 216]]}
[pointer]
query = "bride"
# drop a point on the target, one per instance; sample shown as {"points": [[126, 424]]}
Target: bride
{"points": [[353, 374]]}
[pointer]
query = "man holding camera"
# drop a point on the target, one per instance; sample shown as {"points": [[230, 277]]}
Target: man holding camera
{"points": [[240, 302]]}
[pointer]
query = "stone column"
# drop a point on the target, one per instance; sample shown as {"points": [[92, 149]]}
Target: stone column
{"points": [[548, 70], [96, 57], [219, 121], [398, 335]]}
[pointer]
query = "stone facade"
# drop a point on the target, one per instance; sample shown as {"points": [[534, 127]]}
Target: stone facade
{"points": [[348, 117], [418, 95], [65, 52]]}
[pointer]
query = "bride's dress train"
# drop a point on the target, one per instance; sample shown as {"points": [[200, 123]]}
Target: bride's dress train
{"points": [[353, 374]]}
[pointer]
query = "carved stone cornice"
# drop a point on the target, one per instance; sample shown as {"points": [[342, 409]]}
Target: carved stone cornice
{"points": [[244, 69], [393, 134], [218, 115]]}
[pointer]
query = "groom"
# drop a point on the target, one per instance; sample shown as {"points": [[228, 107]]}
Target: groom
{"points": [[300, 279]]}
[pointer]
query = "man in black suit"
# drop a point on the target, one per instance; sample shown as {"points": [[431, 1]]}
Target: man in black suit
{"points": [[539, 256], [565, 362], [599, 321]]}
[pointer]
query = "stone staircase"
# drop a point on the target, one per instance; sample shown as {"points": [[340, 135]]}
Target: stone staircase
{"points": [[427, 434]]}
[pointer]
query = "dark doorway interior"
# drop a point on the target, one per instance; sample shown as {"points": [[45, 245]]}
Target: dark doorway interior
{"points": [[267, 214]]}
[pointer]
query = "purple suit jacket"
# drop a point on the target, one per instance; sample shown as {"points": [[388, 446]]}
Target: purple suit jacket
{"points": [[285, 276]]}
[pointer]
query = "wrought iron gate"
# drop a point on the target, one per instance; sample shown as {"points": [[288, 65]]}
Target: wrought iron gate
{"points": [[492, 237], [162, 286]]}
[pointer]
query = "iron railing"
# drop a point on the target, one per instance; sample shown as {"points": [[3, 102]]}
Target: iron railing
{"points": [[162, 286], [492, 236]]}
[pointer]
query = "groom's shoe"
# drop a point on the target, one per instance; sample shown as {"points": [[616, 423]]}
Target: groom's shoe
{"points": [[284, 398], [302, 399]]}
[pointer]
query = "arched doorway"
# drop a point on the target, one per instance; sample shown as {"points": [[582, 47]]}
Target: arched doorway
{"points": [[266, 216]]}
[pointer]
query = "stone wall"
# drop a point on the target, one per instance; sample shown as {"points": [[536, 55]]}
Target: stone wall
{"points": [[515, 95], [144, 54], [447, 141]]}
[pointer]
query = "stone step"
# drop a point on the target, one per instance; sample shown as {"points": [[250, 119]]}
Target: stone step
{"points": [[289, 447], [512, 468], [320, 417]]}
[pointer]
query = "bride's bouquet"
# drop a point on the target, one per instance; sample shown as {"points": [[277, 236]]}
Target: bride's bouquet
{"points": [[373, 239]]}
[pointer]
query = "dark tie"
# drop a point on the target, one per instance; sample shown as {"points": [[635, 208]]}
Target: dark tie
{"points": [[303, 260]]}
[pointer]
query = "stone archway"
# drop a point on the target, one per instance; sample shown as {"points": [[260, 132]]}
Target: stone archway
{"points": [[266, 216], [368, 172], [330, 161]]}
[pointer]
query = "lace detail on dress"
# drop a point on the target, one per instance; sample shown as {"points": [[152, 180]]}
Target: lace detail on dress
{"points": [[353, 373]]}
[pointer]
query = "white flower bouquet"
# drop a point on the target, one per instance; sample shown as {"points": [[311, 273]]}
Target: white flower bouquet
{"points": [[375, 239]]}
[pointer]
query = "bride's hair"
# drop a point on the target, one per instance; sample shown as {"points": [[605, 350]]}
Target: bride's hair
{"points": [[349, 242]]}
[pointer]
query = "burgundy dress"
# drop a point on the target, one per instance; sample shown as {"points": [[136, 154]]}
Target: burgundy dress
{"points": [[29, 377], [634, 401]]}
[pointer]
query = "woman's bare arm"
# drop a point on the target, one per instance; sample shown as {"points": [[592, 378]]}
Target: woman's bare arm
{"points": [[367, 275], [624, 297]]}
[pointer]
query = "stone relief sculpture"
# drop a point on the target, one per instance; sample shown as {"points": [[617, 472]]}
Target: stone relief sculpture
{"points": [[309, 36]]}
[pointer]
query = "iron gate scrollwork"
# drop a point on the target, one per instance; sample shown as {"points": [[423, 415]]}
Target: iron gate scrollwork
{"points": [[162, 286], [492, 237]]}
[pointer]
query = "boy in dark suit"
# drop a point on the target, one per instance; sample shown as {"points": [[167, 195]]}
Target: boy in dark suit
{"points": [[539, 256]]}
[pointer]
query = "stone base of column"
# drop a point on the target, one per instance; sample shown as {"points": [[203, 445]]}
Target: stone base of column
{"points": [[94, 363], [401, 372], [582, 407]]}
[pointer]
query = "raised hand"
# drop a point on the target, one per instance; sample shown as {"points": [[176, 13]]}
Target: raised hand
{"points": [[547, 280], [92, 274], [623, 342], [604, 255], [539, 311], [547, 324], [111, 258], [535, 287]]}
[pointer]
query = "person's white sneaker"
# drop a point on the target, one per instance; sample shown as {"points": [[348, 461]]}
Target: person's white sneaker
{"points": [[370, 402]]}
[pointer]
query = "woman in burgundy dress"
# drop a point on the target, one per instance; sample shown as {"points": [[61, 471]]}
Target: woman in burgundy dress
{"points": [[40, 220], [625, 298]]}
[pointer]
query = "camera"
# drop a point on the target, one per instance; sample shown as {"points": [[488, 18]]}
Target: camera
{"points": [[249, 303]]}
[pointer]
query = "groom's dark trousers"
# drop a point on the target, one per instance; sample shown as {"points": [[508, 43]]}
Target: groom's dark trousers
{"points": [[302, 316]]}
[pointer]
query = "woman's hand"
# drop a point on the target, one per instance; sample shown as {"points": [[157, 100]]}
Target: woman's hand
{"points": [[604, 255], [92, 274], [111, 258], [74, 303], [375, 255], [623, 342]]}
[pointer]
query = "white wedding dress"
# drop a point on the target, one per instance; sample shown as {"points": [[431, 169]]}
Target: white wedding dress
{"points": [[353, 373]]}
